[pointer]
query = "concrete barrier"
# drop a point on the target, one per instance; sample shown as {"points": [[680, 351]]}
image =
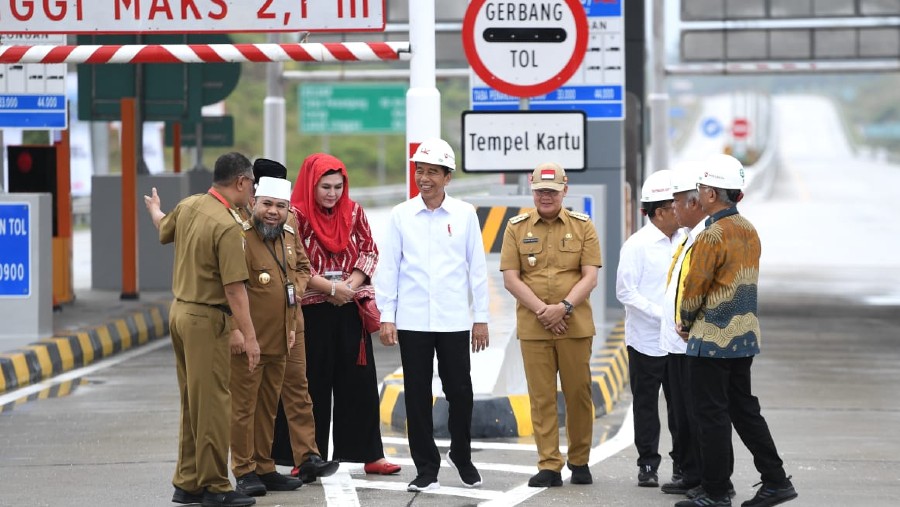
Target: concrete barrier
{"points": [[63, 352], [510, 415]]}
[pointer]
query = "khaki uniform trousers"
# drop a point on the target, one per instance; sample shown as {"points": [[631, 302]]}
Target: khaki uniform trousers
{"points": [[571, 358], [298, 407], [202, 361], [254, 404]]}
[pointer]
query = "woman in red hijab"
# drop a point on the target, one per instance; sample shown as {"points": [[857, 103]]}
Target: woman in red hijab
{"points": [[339, 357]]}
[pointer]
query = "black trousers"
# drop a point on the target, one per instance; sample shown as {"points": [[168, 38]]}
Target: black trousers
{"points": [[417, 351], [722, 398], [646, 375], [332, 348], [682, 408]]}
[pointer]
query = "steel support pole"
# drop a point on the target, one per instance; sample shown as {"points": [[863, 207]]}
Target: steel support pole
{"points": [[658, 99], [274, 110]]}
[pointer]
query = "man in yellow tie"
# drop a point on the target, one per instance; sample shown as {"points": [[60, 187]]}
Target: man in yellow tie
{"points": [[690, 217]]}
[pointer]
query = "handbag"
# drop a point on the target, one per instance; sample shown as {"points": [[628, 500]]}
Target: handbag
{"points": [[369, 314], [370, 318]]}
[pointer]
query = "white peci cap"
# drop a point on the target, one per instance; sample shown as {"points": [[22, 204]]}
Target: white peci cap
{"points": [[276, 188]]}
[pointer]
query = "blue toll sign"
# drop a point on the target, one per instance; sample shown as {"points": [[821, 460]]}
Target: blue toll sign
{"points": [[711, 127], [15, 250]]}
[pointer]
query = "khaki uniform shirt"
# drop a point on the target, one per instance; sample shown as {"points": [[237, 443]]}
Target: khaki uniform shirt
{"points": [[272, 318], [549, 257], [209, 251]]}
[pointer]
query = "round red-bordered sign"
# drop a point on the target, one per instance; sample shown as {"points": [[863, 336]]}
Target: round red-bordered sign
{"points": [[543, 87]]}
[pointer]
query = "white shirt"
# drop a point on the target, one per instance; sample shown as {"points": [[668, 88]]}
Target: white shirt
{"points": [[641, 286], [432, 274], [669, 340]]}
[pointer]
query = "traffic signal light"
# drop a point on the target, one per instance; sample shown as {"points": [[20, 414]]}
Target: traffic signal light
{"points": [[32, 169]]}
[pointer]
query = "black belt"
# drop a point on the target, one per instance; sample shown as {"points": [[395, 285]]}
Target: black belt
{"points": [[222, 308]]}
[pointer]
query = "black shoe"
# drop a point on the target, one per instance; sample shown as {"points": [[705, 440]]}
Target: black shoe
{"points": [[185, 497], [315, 467], [274, 481], [229, 499], [647, 477], [699, 491], [423, 483], [468, 474], [677, 473], [678, 487], [545, 479], [250, 485], [705, 501], [581, 474], [772, 494]]}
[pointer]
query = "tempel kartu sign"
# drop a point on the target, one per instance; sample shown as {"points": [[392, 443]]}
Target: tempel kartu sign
{"points": [[180, 16], [525, 47]]}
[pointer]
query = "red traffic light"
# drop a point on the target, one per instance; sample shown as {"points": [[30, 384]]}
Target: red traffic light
{"points": [[24, 162]]}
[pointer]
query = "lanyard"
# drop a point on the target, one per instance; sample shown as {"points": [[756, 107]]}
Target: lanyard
{"points": [[225, 203], [281, 264]]}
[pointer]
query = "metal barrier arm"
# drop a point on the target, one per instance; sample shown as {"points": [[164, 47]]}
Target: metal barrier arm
{"points": [[208, 53]]}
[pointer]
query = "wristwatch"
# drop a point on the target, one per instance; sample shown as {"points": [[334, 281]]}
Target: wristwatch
{"points": [[568, 306]]}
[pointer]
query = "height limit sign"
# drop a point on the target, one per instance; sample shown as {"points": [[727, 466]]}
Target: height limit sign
{"points": [[525, 48]]}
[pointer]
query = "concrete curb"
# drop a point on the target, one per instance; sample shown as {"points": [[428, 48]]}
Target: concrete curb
{"points": [[63, 352], [510, 416]]}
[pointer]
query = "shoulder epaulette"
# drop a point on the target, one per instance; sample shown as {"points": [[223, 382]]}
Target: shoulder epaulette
{"points": [[288, 228], [518, 218], [580, 216]]}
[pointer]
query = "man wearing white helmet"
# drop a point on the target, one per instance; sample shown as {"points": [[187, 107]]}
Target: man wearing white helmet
{"points": [[690, 216], [640, 287], [431, 267], [719, 322]]}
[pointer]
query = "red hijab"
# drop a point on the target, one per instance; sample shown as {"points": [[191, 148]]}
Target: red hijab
{"points": [[332, 227]]}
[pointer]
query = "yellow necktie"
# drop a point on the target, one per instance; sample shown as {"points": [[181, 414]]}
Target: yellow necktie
{"points": [[675, 259]]}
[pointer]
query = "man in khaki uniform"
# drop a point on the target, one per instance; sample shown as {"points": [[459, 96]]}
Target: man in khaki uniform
{"points": [[550, 259], [279, 271], [208, 284], [295, 427]]}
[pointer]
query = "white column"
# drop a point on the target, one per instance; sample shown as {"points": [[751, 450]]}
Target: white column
{"points": [[658, 99], [423, 100]]}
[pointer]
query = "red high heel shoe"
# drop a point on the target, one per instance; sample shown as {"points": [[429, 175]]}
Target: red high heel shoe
{"points": [[383, 468]]}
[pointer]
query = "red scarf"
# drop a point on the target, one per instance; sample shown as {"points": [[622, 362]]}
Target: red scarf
{"points": [[332, 227]]}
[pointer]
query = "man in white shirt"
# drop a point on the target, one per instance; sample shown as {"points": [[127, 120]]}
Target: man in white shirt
{"points": [[431, 267], [640, 286], [691, 217]]}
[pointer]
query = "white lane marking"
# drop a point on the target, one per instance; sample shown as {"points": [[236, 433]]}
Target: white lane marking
{"points": [[339, 489], [481, 494], [623, 439], [83, 371]]}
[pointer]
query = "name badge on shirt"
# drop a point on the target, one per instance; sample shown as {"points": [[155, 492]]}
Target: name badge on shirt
{"points": [[530, 240], [291, 294]]}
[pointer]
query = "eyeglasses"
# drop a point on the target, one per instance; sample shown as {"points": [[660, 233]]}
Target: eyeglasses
{"points": [[251, 178], [702, 185], [546, 192]]}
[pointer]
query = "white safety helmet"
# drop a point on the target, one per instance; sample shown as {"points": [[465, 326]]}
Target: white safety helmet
{"points": [[435, 151], [722, 171], [685, 175], [657, 187]]}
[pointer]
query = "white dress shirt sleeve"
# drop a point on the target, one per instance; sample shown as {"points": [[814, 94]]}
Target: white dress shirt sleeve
{"points": [[387, 276], [477, 269], [628, 278]]}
